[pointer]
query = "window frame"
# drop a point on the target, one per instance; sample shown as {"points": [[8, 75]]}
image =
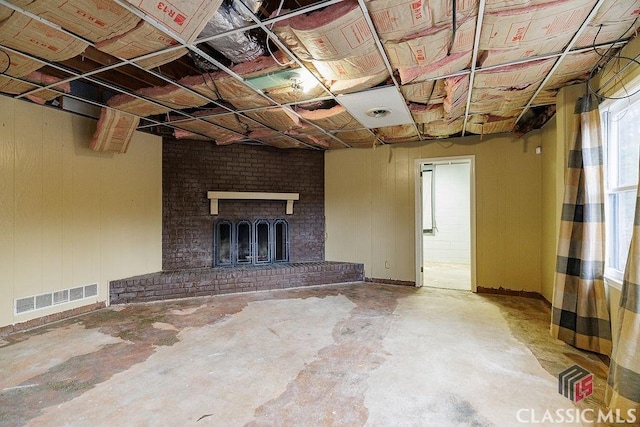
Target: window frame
{"points": [[218, 243], [285, 243], [608, 109], [256, 242]]}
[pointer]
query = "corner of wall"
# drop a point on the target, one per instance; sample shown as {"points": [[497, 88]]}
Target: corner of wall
{"points": [[549, 207], [71, 217], [370, 208]]}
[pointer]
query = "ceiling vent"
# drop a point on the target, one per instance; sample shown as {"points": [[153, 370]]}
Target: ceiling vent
{"points": [[377, 108], [378, 113]]}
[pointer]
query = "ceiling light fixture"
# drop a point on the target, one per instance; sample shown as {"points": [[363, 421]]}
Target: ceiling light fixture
{"points": [[303, 80], [296, 78]]}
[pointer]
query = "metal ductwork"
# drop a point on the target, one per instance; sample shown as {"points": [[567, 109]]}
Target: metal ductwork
{"points": [[238, 47]]}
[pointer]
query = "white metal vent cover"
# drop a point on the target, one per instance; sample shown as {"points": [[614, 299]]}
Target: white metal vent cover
{"points": [[25, 304], [377, 108], [48, 299], [91, 290], [76, 293], [61, 296], [44, 300]]}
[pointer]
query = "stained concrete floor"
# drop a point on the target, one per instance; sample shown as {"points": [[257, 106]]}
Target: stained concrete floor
{"points": [[357, 354]]}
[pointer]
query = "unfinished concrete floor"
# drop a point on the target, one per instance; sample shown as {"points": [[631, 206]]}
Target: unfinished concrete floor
{"points": [[357, 354], [447, 275]]}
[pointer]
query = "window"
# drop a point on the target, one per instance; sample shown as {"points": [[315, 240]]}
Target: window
{"points": [[428, 190], [263, 251], [223, 243], [244, 242], [281, 241], [621, 123]]}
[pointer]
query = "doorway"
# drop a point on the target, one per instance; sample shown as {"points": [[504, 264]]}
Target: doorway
{"points": [[445, 223]]}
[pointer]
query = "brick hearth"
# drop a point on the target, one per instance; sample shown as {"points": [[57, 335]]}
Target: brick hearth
{"points": [[222, 280], [189, 173]]}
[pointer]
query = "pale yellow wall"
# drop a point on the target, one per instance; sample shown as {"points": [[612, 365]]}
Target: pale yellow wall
{"points": [[370, 207], [556, 135], [70, 216], [550, 215]]}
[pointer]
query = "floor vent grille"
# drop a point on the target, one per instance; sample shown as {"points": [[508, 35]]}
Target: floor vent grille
{"points": [[25, 304], [91, 290], [76, 293], [63, 296]]}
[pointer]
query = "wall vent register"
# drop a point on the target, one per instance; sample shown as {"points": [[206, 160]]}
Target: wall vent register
{"points": [[41, 301], [245, 242]]}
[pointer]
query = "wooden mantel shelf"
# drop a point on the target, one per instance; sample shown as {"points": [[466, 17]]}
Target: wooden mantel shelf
{"points": [[214, 196]]}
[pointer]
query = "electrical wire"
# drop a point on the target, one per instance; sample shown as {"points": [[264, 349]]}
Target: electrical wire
{"points": [[8, 62], [595, 49], [433, 89], [209, 84], [272, 55], [606, 58], [277, 13], [269, 37], [206, 73], [592, 74], [453, 19]]}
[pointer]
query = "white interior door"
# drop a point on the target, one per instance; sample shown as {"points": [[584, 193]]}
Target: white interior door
{"points": [[446, 215]]}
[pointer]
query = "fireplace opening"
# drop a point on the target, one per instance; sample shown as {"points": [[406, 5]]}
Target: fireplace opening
{"points": [[244, 242]]}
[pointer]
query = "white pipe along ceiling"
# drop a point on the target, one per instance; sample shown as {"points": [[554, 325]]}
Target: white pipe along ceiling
{"points": [[309, 74]]}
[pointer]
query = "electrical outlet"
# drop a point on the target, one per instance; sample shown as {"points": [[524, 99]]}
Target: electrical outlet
{"points": [[387, 264]]}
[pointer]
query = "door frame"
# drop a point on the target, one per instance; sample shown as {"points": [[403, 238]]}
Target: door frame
{"points": [[418, 213]]}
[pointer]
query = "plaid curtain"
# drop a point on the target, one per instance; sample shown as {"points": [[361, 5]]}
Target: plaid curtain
{"points": [[580, 315], [623, 384]]}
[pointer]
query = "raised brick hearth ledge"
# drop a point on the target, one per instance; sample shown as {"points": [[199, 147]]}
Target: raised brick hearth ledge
{"points": [[223, 280]]}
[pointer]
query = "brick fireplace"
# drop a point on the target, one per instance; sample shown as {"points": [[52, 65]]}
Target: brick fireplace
{"points": [[191, 171]]}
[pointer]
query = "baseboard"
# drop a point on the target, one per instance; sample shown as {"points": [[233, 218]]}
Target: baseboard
{"points": [[55, 317], [390, 281], [512, 293]]}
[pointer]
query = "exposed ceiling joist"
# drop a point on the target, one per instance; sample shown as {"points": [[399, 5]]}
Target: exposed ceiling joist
{"points": [[443, 61], [566, 51], [474, 61]]}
